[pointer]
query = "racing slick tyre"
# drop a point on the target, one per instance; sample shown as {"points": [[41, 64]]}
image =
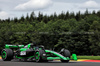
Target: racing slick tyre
{"points": [[66, 53], [38, 56], [7, 54]]}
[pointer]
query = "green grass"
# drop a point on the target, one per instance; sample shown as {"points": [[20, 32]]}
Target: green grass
{"points": [[89, 57]]}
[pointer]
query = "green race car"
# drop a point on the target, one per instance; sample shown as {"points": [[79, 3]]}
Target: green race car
{"points": [[34, 52]]}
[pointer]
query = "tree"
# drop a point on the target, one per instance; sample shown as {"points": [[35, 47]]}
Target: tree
{"points": [[27, 17], [78, 31], [95, 38], [78, 16], [22, 19], [45, 19], [67, 15], [32, 16], [40, 17]]}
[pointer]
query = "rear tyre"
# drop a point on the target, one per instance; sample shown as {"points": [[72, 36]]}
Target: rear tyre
{"points": [[66, 53], [7, 54], [37, 57]]}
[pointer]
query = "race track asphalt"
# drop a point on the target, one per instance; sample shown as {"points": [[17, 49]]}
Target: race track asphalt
{"points": [[51, 63]]}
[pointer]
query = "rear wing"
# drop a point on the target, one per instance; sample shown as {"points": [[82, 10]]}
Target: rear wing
{"points": [[13, 46]]}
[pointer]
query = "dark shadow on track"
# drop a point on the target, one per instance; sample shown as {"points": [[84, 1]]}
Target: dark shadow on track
{"points": [[41, 62]]}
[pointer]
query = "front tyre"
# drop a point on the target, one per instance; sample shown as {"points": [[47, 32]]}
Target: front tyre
{"points": [[7, 54], [66, 53]]}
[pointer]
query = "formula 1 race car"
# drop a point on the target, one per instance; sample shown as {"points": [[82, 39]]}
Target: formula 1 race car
{"points": [[34, 52]]}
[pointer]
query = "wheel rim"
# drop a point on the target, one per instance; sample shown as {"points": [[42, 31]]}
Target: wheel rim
{"points": [[37, 56], [4, 54]]}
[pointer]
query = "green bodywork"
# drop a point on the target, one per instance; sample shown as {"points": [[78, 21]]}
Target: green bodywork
{"points": [[54, 55], [13, 46], [58, 56], [23, 49], [3, 54], [37, 55], [24, 57]]}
